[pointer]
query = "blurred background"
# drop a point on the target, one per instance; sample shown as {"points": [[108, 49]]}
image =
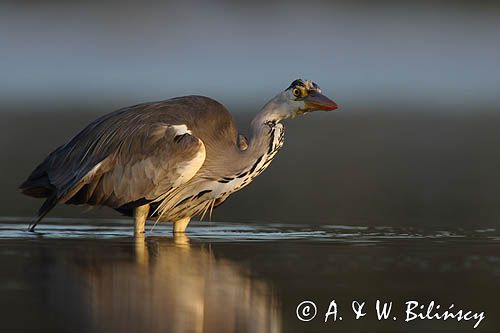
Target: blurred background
{"points": [[415, 141]]}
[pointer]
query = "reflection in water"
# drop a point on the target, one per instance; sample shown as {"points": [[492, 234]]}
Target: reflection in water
{"points": [[74, 277], [173, 286]]}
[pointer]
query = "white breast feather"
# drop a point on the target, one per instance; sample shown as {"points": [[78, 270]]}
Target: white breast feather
{"points": [[186, 170]]}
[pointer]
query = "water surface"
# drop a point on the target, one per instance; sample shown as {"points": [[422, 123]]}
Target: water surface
{"points": [[92, 276]]}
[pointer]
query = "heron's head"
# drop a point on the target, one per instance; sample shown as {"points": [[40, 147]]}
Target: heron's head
{"points": [[303, 96]]}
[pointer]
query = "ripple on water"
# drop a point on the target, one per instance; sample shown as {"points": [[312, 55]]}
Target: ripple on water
{"points": [[15, 228]]}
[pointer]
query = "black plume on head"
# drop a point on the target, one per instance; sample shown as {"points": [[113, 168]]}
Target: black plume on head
{"points": [[299, 82]]}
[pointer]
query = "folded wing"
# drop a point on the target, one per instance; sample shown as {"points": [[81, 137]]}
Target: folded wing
{"points": [[119, 159]]}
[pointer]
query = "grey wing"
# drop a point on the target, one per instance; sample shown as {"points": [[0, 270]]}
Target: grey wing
{"points": [[149, 162], [114, 163]]}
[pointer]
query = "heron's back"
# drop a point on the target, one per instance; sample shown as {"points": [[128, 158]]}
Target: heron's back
{"points": [[207, 119]]}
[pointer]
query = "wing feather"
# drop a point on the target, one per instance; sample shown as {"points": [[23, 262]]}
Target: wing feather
{"points": [[145, 164]]}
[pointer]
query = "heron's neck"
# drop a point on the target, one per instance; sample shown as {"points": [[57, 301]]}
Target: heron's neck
{"points": [[274, 111], [264, 127], [239, 167]]}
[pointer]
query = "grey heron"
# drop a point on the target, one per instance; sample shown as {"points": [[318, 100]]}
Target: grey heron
{"points": [[168, 160]]}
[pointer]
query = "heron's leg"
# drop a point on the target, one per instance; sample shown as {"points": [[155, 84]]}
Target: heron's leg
{"points": [[140, 215], [181, 225]]}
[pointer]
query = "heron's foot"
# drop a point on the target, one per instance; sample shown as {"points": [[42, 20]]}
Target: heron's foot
{"points": [[181, 225], [140, 215]]}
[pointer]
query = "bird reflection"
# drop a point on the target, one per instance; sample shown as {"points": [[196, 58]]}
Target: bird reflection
{"points": [[172, 285]]}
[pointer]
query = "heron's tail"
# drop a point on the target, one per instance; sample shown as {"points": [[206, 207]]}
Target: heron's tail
{"points": [[44, 209]]}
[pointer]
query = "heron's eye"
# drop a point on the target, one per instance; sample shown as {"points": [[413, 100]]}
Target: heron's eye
{"points": [[297, 92]]}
